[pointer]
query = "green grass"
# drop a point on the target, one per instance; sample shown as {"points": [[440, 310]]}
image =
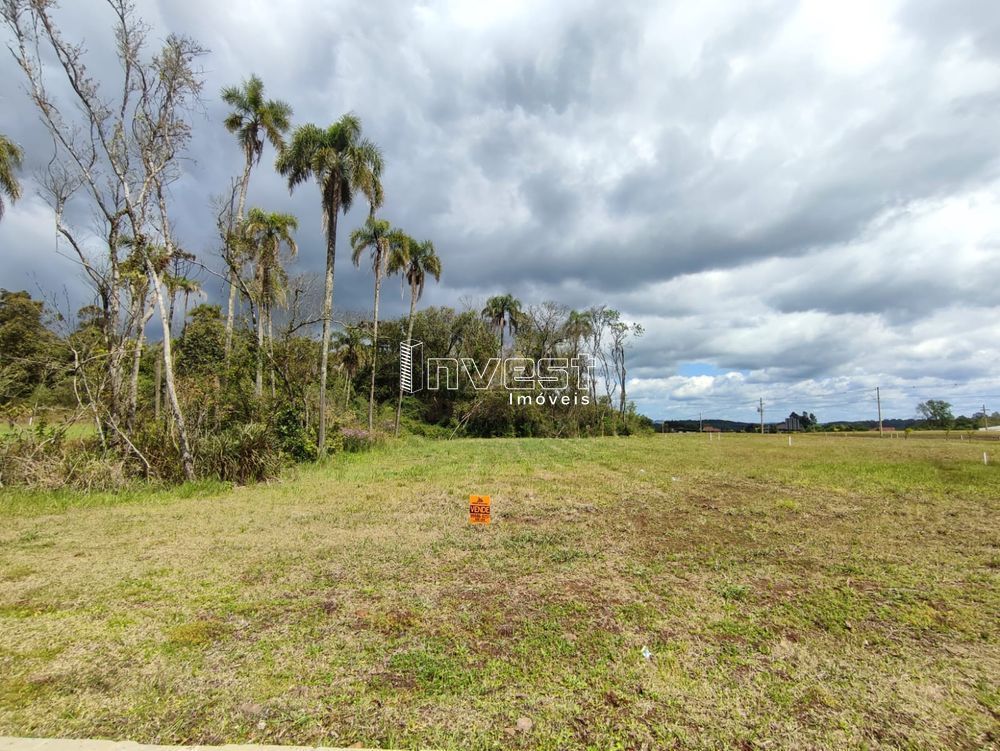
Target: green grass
{"points": [[74, 432], [832, 594]]}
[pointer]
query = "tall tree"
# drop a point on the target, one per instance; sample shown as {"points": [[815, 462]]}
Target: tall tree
{"points": [[343, 162], [503, 311], [188, 287], [27, 347], [382, 240], [579, 327], [268, 232], [10, 160], [175, 279], [252, 120], [620, 332], [414, 261], [352, 356], [936, 412], [542, 328], [140, 311], [120, 150]]}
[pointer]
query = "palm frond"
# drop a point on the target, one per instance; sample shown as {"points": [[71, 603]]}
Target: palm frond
{"points": [[11, 157], [297, 161]]}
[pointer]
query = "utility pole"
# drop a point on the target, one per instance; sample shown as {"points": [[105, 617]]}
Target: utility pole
{"points": [[986, 422], [878, 400], [701, 427], [761, 410]]}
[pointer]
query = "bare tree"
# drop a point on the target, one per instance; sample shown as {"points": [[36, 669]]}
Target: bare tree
{"points": [[140, 311], [119, 152], [621, 332], [608, 337], [544, 329], [600, 318]]}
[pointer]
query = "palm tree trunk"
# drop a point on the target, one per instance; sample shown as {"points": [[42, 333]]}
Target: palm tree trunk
{"points": [[157, 387], [184, 320], [622, 401], [270, 350], [230, 316], [576, 357], [244, 184], [258, 389], [170, 313], [330, 210], [170, 323], [593, 381], [378, 287], [231, 308], [409, 338]]}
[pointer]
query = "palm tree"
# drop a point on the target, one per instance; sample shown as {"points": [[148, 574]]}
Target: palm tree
{"points": [[11, 157], [378, 236], [177, 281], [579, 325], [415, 261], [352, 356], [252, 120], [503, 311], [267, 233], [187, 287], [136, 280], [343, 163]]}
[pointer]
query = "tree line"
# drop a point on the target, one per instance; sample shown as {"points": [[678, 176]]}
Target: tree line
{"points": [[934, 414], [249, 380]]}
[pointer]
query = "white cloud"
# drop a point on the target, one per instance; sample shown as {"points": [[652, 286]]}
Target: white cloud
{"points": [[803, 196]]}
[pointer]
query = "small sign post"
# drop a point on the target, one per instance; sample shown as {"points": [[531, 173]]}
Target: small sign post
{"points": [[479, 509]]}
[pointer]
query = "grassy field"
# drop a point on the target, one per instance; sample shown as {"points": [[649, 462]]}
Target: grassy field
{"points": [[832, 594], [918, 435], [74, 431]]}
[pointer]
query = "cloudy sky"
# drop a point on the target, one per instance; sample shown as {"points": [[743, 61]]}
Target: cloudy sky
{"points": [[798, 200]]}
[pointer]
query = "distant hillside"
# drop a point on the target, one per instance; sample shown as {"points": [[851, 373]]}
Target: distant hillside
{"points": [[733, 426]]}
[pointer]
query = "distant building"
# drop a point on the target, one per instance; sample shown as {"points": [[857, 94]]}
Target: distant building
{"points": [[792, 424], [710, 429]]}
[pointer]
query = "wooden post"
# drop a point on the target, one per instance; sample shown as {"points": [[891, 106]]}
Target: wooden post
{"points": [[878, 400]]}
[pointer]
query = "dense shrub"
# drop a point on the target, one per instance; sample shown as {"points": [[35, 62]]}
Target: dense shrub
{"points": [[357, 439], [40, 456], [241, 454], [296, 441]]}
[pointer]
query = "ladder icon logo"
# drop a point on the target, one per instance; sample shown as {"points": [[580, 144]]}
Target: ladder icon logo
{"points": [[410, 376]]}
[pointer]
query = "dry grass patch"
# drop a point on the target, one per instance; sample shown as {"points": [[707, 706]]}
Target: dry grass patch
{"points": [[827, 595]]}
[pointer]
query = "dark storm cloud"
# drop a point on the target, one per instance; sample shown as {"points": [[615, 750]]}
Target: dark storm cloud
{"points": [[786, 188]]}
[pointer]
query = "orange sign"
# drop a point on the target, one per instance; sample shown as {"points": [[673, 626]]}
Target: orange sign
{"points": [[479, 509]]}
